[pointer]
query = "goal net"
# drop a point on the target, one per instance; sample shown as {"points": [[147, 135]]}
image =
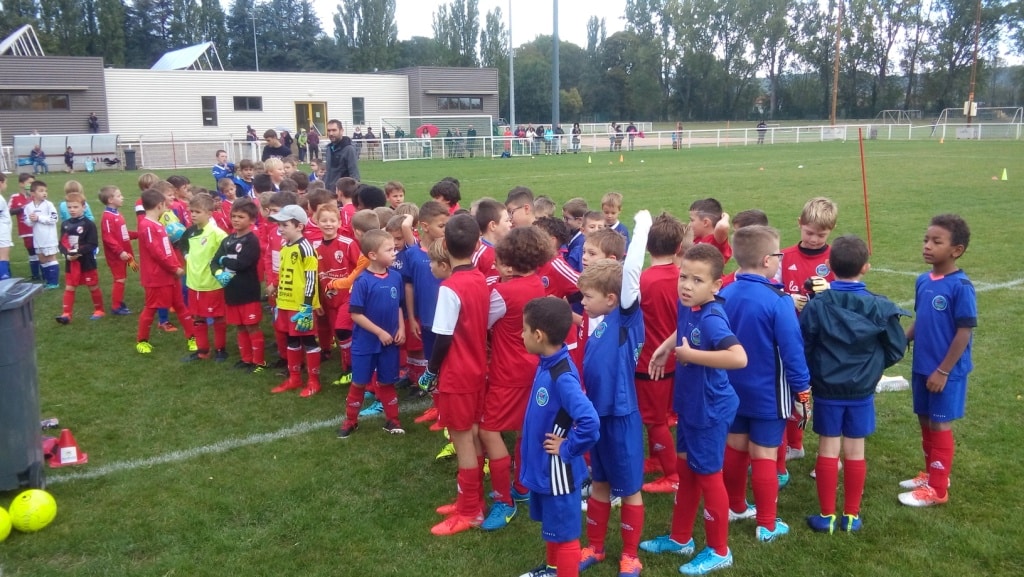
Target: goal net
{"points": [[988, 122], [430, 137]]}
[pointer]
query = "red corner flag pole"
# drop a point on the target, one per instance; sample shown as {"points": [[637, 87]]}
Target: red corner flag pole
{"points": [[864, 180]]}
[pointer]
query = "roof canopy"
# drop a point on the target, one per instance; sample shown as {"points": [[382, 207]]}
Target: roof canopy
{"points": [[191, 58], [21, 42]]}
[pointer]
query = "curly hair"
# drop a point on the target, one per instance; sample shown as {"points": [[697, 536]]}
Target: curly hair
{"points": [[524, 249]]}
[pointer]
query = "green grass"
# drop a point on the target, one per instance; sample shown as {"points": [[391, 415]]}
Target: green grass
{"points": [[314, 505]]}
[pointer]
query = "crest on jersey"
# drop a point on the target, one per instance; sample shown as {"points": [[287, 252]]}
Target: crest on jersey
{"points": [[339, 256], [940, 303], [238, 247], [295, 258], [394, 292], [80, 230], [601, 327], [695, 337], [542, 397], [822, 270], [544, 280]]}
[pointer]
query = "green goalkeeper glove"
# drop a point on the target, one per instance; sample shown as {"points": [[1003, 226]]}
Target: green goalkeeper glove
{"points": [[428, 380], [304, 318]]}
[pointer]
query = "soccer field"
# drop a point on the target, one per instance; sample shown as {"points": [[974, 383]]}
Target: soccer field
{"points": [[195, 469]]}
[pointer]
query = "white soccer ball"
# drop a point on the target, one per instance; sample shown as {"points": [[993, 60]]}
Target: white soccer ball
{"points": [[801, 166]]}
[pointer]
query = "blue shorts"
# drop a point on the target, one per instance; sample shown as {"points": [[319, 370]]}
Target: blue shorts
{"points": [[618, 456], [385, 363], [850, 419], [559, 515], [704, 448], [764, 432], [949, 405]]}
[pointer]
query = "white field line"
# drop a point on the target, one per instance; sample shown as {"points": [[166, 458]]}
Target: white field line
{"points": [[216, 448], [979, 286]]}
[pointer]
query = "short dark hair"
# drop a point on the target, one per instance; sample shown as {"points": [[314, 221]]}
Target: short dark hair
{"points": [[316, 198], [488, 211], [959, 232], [246, 163], [178, 181], [152, 198], [347, 186], [37, 184], [247, 207], [202, 202], [461, 236], [518, 196], [848, 256], [369, 197], [448, 190], [666, 235], [708, 207], [283, 199], [431, 210], [609, 242], [524, 249], [555, 228], [270, 133], [288, 185], [551, 316], [750, 217], [707, 254], [25, 176], [300, 178], [262, 183]]}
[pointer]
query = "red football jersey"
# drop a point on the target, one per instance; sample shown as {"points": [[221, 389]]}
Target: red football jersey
{"points": [[271, 254], [345, 228], [313, 234], [140, 212], [727, 279], [18, 202], [223, 217], [799, 264], [511, 365], [725, 248], [180, 209], [338, 258], [559, 278], [462, 307], [484, 260], [157, 260], [116, 236], [658, 303]]}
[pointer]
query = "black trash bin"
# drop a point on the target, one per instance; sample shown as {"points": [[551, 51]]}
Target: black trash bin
{"points": [[129, 160], [21, 439]]}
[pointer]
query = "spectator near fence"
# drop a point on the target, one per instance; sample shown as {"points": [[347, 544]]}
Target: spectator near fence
{"points": [[94, 123], [302, 141], [341, 156], [314, 143]]}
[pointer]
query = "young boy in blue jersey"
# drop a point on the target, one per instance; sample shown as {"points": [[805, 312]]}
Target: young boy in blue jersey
{"points": [[611, 207], [573, 212], [559, 427], [703, 348], [612, 289], [376, 309], [850, 337], [947, 313], [761, 315]]}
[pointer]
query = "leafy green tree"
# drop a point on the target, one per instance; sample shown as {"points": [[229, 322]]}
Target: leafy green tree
{"points": [[110, 41], [60, 27], [377, 36], [457, 30]]}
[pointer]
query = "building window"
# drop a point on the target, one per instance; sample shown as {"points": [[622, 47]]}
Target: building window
{"points": [[358, 111], [209, 110], [460, 103], [249, 103], [34, 102]]}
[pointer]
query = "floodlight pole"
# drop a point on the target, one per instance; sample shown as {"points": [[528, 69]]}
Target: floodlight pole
{"points": [[835, 64], [554, 68], [974, 64], [255, 50], [511, 74]]}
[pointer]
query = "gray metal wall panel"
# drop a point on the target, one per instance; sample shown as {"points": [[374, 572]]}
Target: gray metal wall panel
{"points": [[451, 81]]}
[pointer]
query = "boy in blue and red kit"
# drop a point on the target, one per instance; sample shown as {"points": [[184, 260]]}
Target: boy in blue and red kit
{"points": [[702, 348], [850, 337], [612, 290], [78, 243], [458, 366], [773, 382], [117, 246], [560, 425], [947, 312], [376, 309], [235, 266], [710, 225]]}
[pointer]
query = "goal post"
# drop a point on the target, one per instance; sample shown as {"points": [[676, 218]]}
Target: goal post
{"points": [[436, 136]]}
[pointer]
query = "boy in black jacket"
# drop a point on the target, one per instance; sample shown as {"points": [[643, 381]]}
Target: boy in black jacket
{"points": [[850, 337], [235, 267], [78, 243]]}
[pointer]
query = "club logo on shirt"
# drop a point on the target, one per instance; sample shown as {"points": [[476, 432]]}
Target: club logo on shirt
{"points": [[542, 397], [695, 337], [599, 331], [238, 247], [821, 270], [294, 258], [339, 256], [80, 230], [394, 293], [544, 281], [940, 303]]}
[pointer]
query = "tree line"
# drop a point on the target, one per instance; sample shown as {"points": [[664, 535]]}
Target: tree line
{"points": [[675, 59]]}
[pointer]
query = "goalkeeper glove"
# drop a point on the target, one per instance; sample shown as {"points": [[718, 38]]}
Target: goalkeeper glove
{"points": [[816, 285], [802, 408], [428, 380], [224, 276], [133, 264], [304, 318]]}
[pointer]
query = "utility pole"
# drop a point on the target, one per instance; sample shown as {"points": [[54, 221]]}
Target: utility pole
{"points": [[554, 69], [511, 74]]}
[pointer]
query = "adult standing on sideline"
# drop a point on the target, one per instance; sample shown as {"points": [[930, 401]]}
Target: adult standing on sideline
{"points": [[94, 123], [577, 134], [631, 131], [314, 143], [677, 136], [274, 148], [762, 129], [287, 140], [302, 140], [341, 156]]}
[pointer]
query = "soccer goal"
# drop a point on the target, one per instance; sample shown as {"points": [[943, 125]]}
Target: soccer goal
{"points": [[989, 122], [428, 137], [899, 116]]}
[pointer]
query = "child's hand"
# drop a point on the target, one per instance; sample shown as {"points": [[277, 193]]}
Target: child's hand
{"points": [[414, 327], [683, 352], [407, 222], [936, 382], [385, 338], [179, 272], [33, 217], [400, 336], [271, 290], [723, 224], [552, 442], [319, 312], [73, 256], [643, 218], [125, 256], [799, 301], [659, 360]]}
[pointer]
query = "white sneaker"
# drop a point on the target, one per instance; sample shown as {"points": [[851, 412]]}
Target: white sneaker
{"points": [[921, 480], [750, 512], [793, 454]]}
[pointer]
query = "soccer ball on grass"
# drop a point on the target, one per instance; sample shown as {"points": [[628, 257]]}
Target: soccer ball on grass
{"points": [[32, 510]]}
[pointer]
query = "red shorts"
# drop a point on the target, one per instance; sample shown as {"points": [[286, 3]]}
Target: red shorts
{"points": [[343, 318], [504, 408], [283, 323], [206, 304], [76, 277], [413, 343], [244, 315], [654, 399], [118, 268], [459, 411], [161, 297]]}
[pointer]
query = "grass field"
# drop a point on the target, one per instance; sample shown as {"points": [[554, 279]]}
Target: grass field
{"points": [[197, 470]]}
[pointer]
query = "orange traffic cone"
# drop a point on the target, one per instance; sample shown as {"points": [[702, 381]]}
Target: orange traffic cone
{"points": [[67, 451]]}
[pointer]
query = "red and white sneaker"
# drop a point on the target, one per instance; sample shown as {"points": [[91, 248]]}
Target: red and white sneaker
{"points": [[923, 497], [456, 524], [288, 385], [921, 480], [427, 416]]}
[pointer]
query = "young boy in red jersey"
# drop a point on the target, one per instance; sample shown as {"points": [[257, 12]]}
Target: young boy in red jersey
{"points": [[773, 386], [17, 208], [512, 368], [458, 366], [492, 218], [947, 312], [658, 305], [345, 190], [850, 337], [395, 193], [313, 201], [235, 266], [611, 301], [559, 427], [808, 258], [78, 243], [117, 246], [710, 224], [446, 191], [206, 294], [519, 204], [702, 348], [226, 195], [159, 271], [338, 257], [376, 309]]}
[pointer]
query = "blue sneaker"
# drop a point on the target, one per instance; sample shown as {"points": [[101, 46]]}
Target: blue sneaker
{"points": [[707, 561], [850, 523], [822, 523], [666, 544], [590, 557], [367, 395], [374, 409], [766, 536], [543, 570], [122, 311], [783, 479], [499, 517], [520, 497]]}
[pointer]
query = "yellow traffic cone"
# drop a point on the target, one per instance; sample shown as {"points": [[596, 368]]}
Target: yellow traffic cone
{"points": [[621, 158], [1004, 175], [942, 140], [589, 159]]}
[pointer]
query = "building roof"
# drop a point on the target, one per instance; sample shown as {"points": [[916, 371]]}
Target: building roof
{"points": [[21, 42], [190, 58]]}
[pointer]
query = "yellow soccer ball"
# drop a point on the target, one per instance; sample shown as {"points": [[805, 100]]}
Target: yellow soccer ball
{"points": [[5, 524], [32, 510]]}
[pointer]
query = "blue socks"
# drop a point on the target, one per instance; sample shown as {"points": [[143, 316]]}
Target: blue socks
{"points": [[33, 263], [51, 273], [5, 269]]}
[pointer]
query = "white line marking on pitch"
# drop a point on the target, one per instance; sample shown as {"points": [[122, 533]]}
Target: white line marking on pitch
{"points": [[979, 288]]}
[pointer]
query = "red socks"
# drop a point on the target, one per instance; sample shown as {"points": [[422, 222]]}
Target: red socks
{"points": [[565, 557], [295, 366], [597, 522], [244, 345], [826, 472], [69, 303], [353, 402], [926, 445], [312, 366], [389, 399], [766, 491], [632, 526], [519, 487], [468, 502], [854, 475], [716, 511], [780, 459], [684, 513], [259, 344], [662, 447], [734, 473], [501, 479], [97, 298], [220, 334], [941, 461], [202, 335], [794, 434], [117, 295]]}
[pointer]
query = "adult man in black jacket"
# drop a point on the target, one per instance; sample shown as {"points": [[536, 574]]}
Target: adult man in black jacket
{"points": [[342, 158]]}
